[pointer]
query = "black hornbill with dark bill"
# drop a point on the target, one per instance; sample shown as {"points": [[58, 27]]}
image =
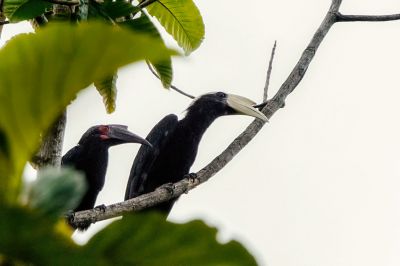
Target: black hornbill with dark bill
{"points": [[175, 143], [91, 157]]}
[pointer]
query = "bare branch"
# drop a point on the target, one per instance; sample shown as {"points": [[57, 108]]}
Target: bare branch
{"points": [[300, 69], [64, 2], [368, 18], [172, 86], [271, 60], [183, 186], [136, 204]]}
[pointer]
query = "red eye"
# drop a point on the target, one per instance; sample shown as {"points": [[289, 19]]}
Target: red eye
{"points": [[104, 130]]}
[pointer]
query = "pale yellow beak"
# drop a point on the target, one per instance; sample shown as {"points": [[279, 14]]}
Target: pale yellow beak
{"points": [[244, 106]]}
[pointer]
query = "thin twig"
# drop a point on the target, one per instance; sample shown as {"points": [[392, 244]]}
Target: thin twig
{"points": [[266, 87], [183, 186], [2, 17], [182, 92], [367, 18], [172, 86], [64, 2], [271, 60], [146, 3]]}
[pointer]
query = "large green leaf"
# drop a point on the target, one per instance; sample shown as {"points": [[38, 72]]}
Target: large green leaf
{"points": [[109, 11], [56, 191], [108, 90], [149, 240], [182, 20], [145, 25], [17, 10], [31, 239], [41, 73]]}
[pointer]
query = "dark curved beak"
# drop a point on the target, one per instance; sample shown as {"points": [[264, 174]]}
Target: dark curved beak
{"points": [[121, 133]]}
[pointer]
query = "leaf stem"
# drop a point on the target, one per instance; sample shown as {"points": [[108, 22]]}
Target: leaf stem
{"points": [[172, 86]]}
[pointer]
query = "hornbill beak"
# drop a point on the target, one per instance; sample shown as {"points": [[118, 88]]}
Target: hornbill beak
{"points": [[121, 132], [244, 106]]}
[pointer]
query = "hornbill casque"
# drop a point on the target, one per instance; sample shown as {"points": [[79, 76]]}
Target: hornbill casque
{"points": [[91, 157], [175, 143]]}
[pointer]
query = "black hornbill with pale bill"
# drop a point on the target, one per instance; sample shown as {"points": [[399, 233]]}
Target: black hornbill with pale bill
{"points": [[175, 143], [91, 157]]}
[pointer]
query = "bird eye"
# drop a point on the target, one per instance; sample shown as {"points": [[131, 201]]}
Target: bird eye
{"points": [[221, 94], [104, 130]]}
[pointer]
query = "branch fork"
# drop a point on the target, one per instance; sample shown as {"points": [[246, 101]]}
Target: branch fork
{"points": [[269, 107]]}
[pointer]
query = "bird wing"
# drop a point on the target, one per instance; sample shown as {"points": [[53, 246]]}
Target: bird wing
{"points": [[72, 156], [146, 155]]}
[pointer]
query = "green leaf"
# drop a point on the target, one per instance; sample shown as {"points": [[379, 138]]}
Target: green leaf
{"points": [[118, 9], [109, 10], [41, 73], [55, 191], [182, 20], [108, 90], [147, 239], [18, 10], [145, 25], [164, 71], [31, 238]]}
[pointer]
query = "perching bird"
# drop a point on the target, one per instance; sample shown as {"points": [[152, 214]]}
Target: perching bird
{"points": [[175, 143], [91, 157]]}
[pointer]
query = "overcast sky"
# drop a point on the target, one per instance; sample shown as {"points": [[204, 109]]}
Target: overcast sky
{"points": [[320, 184]]}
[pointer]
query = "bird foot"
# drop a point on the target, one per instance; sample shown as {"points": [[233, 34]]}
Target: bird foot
{"points": [[101, 208], [192, 177], [70, 216], [169, 187]]}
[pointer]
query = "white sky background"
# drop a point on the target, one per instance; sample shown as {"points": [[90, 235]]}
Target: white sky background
{"points": [[320, 184]]}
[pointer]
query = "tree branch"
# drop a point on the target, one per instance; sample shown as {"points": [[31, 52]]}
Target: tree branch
{"points": [[64, 2], [368, 18], [2, 17], [269, 71], [50, 150], [183, 186]]}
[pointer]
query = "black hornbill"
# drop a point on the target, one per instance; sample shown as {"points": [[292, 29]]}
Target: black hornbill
{"points": [[91, 157], [175, 143]]}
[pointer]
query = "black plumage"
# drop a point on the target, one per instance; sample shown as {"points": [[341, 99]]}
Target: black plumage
{"points": [[175, 143], [91, 157]]}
